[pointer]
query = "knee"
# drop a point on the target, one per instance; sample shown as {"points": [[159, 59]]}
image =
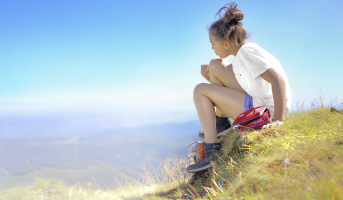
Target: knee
{"points": [[199, 88], [215, 64]]}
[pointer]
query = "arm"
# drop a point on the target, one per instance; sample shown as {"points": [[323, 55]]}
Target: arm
{"points": [[279, 94]]}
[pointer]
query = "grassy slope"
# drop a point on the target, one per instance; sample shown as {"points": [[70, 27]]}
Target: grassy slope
{"points": [[311, 141], [79, 159]]}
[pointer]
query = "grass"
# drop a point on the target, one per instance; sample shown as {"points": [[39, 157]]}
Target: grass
{"points": [[303, 159]]}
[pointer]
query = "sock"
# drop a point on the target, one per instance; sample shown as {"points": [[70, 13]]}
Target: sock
{"points": [[221, 120]]}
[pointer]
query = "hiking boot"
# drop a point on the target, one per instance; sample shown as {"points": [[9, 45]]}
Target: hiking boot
{"points": [[210, 153], [222, 125]]}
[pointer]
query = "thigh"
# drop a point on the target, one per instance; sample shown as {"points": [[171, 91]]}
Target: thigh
{"points": [[221, 70], [228, 100]]}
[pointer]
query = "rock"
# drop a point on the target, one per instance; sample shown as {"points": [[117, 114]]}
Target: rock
{"points": [[192, 195], [336, 111], [285, 162]]}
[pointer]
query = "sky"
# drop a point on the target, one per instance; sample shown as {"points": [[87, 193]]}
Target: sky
{"points": [[139, 61]]}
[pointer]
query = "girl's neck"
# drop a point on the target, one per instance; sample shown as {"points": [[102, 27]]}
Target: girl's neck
{"points": [[236, 48]]}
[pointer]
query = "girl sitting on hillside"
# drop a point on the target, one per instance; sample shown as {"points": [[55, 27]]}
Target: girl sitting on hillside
{"points": [[255, 78]]}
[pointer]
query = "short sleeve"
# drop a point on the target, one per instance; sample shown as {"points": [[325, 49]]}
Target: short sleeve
{"points": [[255, 61]]}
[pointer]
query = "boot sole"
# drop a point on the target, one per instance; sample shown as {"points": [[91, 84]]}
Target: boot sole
{"points": [[200, 169]]}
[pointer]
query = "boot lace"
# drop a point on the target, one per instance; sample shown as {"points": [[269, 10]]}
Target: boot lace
{"points": [[200, 148]]}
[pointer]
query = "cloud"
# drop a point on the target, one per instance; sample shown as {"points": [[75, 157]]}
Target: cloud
{"points": [[130, 106]]}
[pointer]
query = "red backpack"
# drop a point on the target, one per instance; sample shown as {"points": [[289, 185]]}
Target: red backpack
{"points": [[253, 119]]}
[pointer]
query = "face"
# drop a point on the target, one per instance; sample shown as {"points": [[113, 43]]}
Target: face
{"points": [[220, 49]]}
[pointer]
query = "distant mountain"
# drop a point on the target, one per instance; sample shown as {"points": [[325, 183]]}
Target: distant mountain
{"points": [[59, 151]]}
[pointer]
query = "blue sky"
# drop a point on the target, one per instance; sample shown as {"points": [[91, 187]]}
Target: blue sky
{"points": [[142, 58]]}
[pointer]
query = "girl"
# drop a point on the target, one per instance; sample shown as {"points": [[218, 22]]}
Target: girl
{"points": [[255, 78]]}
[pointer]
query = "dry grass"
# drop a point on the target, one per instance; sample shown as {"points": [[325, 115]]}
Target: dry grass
{"points": [[302, 159]]}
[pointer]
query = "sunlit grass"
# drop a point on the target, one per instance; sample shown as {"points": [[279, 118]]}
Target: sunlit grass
{"points": [[303, 159], [311, 141]]}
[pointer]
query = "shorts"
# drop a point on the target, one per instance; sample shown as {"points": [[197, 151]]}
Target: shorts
{"points": [[248, 102]]}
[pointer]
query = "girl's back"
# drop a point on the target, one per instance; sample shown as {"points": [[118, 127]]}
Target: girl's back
{"points": [[250, 62]]}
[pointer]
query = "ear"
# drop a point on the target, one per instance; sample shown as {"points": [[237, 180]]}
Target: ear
{"points": [[227, 44]]}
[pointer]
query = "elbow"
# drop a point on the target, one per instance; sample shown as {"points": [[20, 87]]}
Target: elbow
{"points": [[279, 83], [282, 81]]}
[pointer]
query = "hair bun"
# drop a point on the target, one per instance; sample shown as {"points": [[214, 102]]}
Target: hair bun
{"points": [[232, 14], [229, 27]]}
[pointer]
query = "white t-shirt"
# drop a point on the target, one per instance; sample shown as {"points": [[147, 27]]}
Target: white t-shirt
{"points": [[252, 61]]}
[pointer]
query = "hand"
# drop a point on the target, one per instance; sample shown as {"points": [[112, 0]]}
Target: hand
{"points": [[274, 123], [204, 72]]}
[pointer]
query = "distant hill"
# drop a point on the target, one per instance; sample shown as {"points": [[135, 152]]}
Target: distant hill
{"points": [[101, 155]]}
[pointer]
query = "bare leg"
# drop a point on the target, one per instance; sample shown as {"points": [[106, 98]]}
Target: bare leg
{"points": [[226, 74], [225, 93], [216, 81], [221, 73], [219, 113]]}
